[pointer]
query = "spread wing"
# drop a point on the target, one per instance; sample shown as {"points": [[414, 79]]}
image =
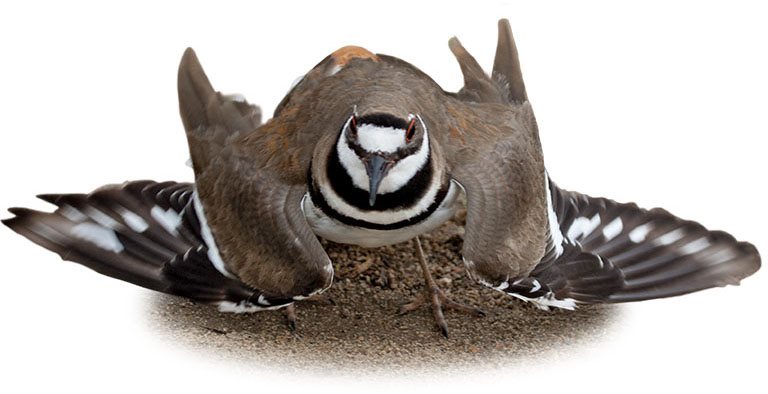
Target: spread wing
{"points": [[658, 254], [532, 240], [494, 152], [604, 251], [250, 189], [142, 232]]}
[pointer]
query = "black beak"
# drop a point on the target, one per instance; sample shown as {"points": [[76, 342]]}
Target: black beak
{"points": [[377, 167]]}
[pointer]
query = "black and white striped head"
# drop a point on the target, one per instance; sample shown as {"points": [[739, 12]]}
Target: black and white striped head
{"points": [[381, 152]]}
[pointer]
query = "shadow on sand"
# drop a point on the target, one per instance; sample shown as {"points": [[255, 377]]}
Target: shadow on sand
{"points": [[360, 329], [370, 337]]}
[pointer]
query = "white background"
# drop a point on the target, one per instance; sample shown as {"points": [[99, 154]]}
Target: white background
{"points": [[662, 104]]}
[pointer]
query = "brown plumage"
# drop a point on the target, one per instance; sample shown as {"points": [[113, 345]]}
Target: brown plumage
{"points": [[248, 243], [497, 159]]}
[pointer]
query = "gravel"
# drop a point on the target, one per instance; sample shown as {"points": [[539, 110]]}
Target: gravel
{"points": [[356, 327]]}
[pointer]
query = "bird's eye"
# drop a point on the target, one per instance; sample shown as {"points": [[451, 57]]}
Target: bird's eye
{"points": [[411, 131], [353, 126]]}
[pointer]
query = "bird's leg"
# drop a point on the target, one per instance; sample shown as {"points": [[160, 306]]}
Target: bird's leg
{"points": [[435, 297], [290, 316]]}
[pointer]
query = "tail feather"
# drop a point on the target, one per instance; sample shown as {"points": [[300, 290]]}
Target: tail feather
{"points": [[142, 232]]}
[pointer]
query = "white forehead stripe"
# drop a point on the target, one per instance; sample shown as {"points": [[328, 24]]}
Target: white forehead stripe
{"points": [[380, 139]]}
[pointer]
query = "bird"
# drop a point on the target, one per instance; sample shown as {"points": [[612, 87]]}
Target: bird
{"points": [[366, 149]]}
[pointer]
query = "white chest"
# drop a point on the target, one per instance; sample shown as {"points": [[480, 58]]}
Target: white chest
{"points": [[333, 230]]}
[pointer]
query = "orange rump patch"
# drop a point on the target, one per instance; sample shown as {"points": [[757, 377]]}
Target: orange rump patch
{"points": [[342, 56]]}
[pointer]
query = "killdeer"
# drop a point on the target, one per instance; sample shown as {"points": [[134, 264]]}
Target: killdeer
{"points": [[366, 149]]}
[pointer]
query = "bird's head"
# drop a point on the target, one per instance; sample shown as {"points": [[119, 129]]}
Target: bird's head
{"points": [[381, 152]]}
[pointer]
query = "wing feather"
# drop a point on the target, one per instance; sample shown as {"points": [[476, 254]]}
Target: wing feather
{"points": [[251, 203], [634, 254], [493, 150]]}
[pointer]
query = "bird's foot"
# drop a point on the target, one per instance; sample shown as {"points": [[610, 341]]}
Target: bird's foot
{"points": [[439, 301], [290, 311]]}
